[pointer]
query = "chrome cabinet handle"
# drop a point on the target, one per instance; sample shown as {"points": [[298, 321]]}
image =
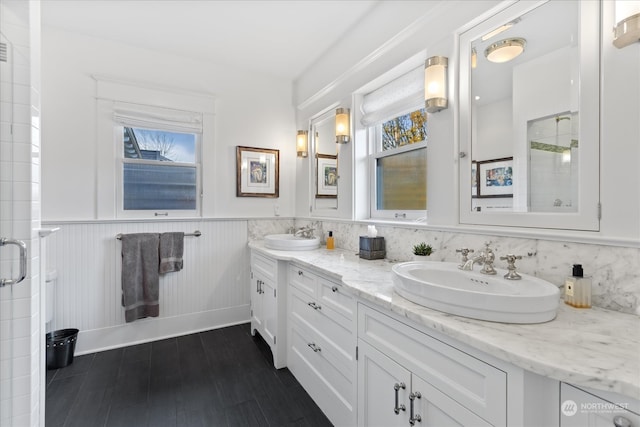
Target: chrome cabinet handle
{"points": [[620, 421], [398, 408], [300, 273], [314, 305], [23, 261], [334, 289], [314, 347], [413, 418]]}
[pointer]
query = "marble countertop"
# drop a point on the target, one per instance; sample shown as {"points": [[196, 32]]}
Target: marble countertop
{"points": [[593, 348]]}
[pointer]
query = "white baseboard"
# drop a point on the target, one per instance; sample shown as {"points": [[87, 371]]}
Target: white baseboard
{"points": [[156, 328]]}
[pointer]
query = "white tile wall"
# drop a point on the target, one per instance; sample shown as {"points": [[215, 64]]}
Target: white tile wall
{"points": [[20, 326]]}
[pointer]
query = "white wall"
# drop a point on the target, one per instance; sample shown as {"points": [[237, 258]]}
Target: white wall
{"points": [[433, 31], [212, 290], [251, 110]]}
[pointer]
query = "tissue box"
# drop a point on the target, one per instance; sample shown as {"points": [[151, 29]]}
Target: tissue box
{"points": [[372, 247]]}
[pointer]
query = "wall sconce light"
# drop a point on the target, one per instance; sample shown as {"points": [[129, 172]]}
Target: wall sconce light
{"points": [[435, 83], [343, 129], [302, 143], [627, 29], [474, 58], [505, 50]]}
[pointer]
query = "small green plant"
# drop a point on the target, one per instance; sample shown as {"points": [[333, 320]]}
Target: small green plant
{"points": [[422, 249]]}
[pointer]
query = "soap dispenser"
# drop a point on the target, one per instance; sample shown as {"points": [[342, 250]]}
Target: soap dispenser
{"points": [[330, 241], [577, 289]]}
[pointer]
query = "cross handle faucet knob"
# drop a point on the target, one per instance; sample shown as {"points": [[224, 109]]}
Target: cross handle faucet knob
{"points": [[465, 253], [512, 274]]}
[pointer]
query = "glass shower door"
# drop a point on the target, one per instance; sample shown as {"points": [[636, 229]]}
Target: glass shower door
{"points": [[13, 252]]}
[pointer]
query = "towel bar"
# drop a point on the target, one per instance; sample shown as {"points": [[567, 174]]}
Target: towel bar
{"points": [[196, 233]]}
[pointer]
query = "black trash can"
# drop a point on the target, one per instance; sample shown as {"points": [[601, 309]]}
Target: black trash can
{"points": [[60, 347]]}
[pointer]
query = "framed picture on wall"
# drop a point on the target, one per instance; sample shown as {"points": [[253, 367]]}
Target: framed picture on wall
{"points": [[326, 176], [474, 179], [257, 172], [495, 178]]}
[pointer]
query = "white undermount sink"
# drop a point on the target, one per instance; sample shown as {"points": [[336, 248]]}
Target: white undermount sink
{"points": [[444, 287], [289, 242]]}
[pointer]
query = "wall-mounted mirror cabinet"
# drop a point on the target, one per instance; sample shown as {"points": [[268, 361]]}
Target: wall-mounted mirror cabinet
{"points": [[324, 164], [529, 117]]}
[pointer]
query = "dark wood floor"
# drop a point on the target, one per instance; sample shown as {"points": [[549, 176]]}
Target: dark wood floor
{"points": [[223, 377]]}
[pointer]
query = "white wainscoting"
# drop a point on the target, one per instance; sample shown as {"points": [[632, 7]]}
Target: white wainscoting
{"points": [[211, 291]]}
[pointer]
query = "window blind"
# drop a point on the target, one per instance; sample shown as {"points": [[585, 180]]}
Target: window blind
{"points": [[157, 118], [402, 95]]}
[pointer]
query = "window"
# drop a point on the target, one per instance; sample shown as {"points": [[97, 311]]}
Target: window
{"points": [[154, 150], [159, 173], [399, 165], [396, 124], [159, 170]]}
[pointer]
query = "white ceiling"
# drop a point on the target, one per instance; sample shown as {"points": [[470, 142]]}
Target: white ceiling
{"points": [[277, 37]]}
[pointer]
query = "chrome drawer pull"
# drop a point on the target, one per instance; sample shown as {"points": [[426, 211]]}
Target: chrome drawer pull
{"points": [[416, 417], [334, 288], [398, 408], [622, 422], [314, 347], [300, 273], [314, 305]]}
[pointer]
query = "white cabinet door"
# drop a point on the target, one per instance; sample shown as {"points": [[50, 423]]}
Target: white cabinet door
{"points": [[383, 389], [434, 409], [581, 409], [269, 312], [256, 304]]}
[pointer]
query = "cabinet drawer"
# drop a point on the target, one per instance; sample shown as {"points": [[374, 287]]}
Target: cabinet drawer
{"points": [[329, 388], [303, 280], [333, 295], [474, 384], [336, 334], [264, 266]]}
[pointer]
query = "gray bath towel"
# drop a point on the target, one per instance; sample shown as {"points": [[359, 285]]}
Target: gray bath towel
{"points": [[140, 279], [171, 250]]}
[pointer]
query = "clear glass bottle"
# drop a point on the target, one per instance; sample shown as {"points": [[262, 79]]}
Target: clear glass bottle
{"points": [[577, 289]]}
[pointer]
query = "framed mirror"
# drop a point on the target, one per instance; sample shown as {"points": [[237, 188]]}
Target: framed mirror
{"points": [[324, 164], [529, 117]]}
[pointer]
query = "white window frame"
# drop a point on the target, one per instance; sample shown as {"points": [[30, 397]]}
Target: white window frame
{"points": [[402, 93], [179, 110], [160, 213], [374, 133]]}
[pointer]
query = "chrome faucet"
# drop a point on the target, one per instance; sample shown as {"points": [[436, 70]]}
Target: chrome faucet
{"points": [[305, 232], [468, 264], [485, 258]]}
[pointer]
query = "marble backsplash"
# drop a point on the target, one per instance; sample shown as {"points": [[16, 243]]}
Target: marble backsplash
{"points": [[613, 270]]}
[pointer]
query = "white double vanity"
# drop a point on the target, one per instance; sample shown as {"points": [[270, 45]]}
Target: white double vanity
{"points": [[369, 357]]}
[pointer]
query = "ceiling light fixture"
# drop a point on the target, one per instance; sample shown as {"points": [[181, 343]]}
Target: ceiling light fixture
{"points": [[505, 50]]}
